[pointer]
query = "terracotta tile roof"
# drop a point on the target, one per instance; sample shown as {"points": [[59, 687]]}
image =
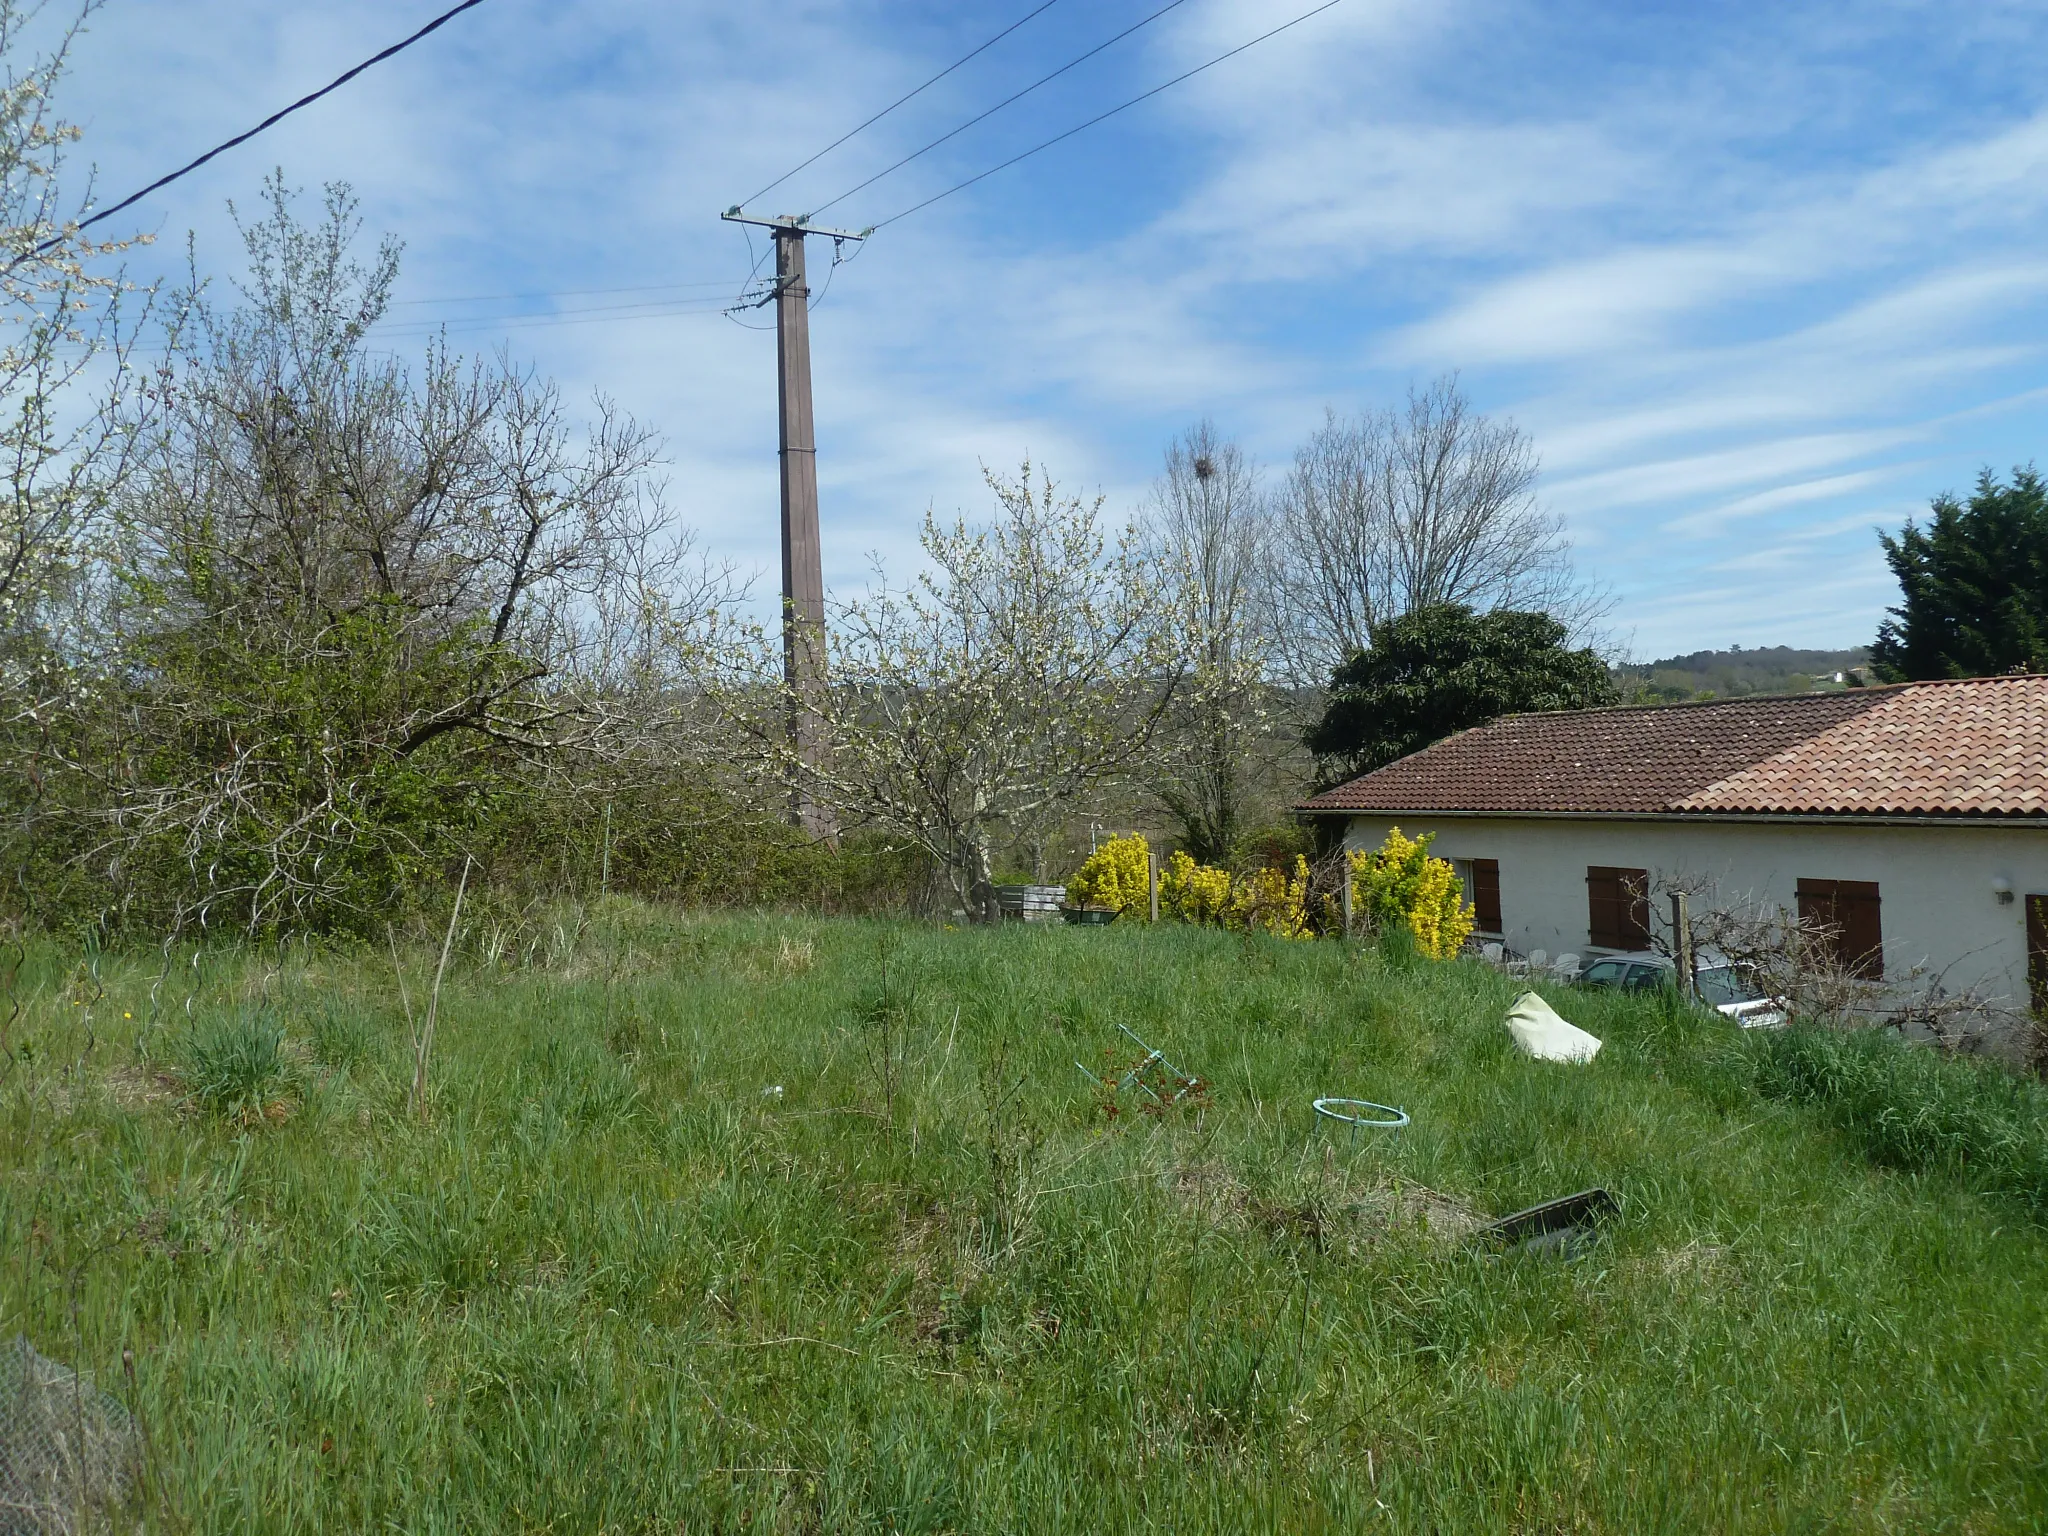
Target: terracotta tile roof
{"points": [[1976, 746]]}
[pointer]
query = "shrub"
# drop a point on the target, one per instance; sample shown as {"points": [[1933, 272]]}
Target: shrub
{"points": [[1116, 875], [1400, 884], [1265, 901], [1194, 893], [1270, 902]]}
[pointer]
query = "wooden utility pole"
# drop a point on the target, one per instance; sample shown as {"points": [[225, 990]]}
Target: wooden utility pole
{"points": [[803, 574]]}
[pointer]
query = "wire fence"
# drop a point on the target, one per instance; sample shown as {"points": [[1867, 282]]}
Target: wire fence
{"points": [[71, 1457]]}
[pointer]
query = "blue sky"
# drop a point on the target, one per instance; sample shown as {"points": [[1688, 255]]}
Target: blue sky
{"points": [[1757, 278]]}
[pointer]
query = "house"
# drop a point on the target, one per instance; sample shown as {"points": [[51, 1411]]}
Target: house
{"points": [[1912, 821]]}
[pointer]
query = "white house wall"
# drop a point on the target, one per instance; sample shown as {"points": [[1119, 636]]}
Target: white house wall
{"points": [[1937, 903]]}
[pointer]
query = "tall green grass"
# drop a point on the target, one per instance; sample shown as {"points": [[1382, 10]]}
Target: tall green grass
{"points": [[613, 1281], [1907, 1107]]}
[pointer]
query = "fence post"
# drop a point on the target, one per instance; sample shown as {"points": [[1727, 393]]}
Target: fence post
{"points": [[1344, 865], [1681, 944], [1152, 882]]}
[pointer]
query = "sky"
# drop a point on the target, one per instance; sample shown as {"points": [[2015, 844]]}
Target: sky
{"points": [[1756, 279]]}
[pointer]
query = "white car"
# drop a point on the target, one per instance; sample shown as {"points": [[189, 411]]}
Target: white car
{"points": [[1729, 989]]}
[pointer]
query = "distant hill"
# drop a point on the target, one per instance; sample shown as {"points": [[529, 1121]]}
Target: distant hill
{"points": [[1734, 672]]}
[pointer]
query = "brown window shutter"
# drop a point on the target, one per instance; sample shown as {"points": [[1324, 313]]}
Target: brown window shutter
{"points": [[1617, 907], [1848, 912], [1862, 932], [1486, 895], [1603, 909], [2037, 953], [1635, 910], [1816, 903]]}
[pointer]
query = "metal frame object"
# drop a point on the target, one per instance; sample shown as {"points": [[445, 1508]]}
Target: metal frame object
{"points": [[1135, 1078], [1333, 1109], [1581, 1210]]}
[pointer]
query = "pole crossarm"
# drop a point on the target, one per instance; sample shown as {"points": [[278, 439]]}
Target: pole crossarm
{"points": [[799, 223]]}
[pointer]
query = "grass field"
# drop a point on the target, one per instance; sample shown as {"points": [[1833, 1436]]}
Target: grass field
{"points": [[615, 1280]]}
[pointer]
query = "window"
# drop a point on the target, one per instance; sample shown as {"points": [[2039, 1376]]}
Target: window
{"points": [[1604, 973], [1842, 916], [1481, 878], [1645, 978], [1617, 908], [1720, 984]]}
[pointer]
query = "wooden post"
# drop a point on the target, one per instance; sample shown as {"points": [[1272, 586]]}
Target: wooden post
{"points": [[1681, 944], [1344, 863], [1152, 882]]}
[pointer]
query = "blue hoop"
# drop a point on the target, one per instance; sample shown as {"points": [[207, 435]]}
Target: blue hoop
{"points": [[1328, 1109]]}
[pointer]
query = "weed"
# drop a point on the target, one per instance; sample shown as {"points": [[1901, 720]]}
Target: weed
{"points": [[884, 1019], [235, 1066], [1010, 1151], [343, 1036]]}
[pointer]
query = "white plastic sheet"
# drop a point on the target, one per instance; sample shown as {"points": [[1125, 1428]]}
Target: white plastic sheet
{"points": [[1541, 1033]]}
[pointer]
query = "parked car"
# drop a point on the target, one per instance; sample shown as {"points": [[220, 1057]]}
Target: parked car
{"points": [[1729, 989]]}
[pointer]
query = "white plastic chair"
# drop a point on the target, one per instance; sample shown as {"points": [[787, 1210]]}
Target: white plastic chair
{"points": [[1566, 967], [1491, 953], [1538, 959]]}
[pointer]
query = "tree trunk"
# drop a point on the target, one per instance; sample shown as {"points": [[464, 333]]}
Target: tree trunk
{"points": [[983, 903]]}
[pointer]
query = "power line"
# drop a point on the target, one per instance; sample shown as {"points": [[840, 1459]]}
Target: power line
{"points": [[935, 79], [276, 117], [1034, 85], [566, 293], [1102, 117], [404, 330], [603, 314]]}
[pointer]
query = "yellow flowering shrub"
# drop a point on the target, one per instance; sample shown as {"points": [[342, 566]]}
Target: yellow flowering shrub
{"points": [[1266, 900], [1115, 876], [1400, 883], [1194, 893]]}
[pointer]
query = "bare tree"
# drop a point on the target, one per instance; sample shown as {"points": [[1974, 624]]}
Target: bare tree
{"points": [[1396, 510], [1030, 662], [1208, 531]]}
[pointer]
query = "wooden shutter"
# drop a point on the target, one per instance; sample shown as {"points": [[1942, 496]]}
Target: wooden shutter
{"points": [[1617, 907], [2037, 953], [1486, 895], [1847, 913]]}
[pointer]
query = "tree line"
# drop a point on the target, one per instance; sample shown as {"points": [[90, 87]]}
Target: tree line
{"points": [[294, 627]]}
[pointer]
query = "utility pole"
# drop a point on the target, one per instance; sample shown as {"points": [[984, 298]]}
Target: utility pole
{"points": [[803, 575]]}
